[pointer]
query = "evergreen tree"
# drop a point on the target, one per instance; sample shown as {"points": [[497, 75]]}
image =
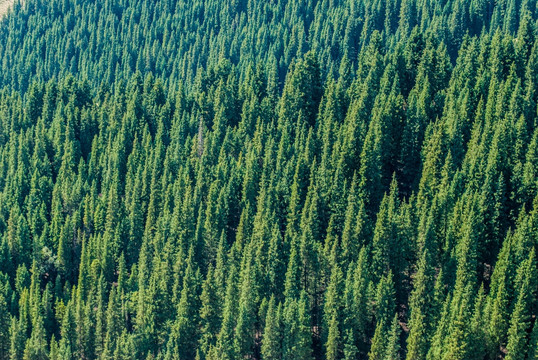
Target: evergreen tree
{"points": [[273, 333]]}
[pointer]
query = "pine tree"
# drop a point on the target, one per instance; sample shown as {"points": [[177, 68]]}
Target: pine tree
{"points": [[4, 328], [420, 303], [392, 351], [210, 311], [246, 317], [297, 330], [332, 312], [333, 339], [350, 350], [273, 336], [224, 346], [184, 336], [519, 325], [378, 348]]}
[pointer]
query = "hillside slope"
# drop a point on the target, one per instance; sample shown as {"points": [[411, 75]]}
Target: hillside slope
{"points": [[248, 179]]}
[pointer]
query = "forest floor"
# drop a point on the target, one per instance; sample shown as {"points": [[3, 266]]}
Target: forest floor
{"points": [[4, 6]]}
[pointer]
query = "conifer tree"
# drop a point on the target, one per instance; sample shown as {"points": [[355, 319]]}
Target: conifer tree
{"points": [[4, 328], [420, 303], [519, 325], [273, 333], [297, 325], [392, 351], [184, 336]]}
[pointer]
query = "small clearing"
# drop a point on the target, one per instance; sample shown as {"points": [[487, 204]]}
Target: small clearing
{"points": [[4, 6]]}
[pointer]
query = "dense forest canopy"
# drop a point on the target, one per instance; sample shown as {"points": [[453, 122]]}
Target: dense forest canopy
{"points": [[249, 179]]}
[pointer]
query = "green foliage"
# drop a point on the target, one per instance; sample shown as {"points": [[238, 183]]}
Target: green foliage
{"points": [[268, 180]]}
